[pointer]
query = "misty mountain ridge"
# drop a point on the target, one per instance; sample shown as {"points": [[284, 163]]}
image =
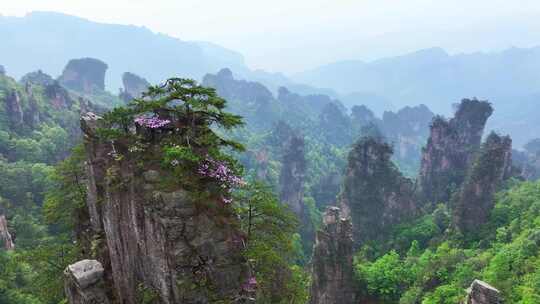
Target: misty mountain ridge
{"points": [[434, 77], [47, 40]]}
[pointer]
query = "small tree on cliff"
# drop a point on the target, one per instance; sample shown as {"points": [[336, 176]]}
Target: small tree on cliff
{"points": [[185, 118]]}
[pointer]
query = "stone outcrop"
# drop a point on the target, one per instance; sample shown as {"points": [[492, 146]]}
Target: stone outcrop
{"points": [[161, 242], [327, 188], [249, 99], [451, 149], [233, 89], [6, 241], [84, 283], [14, 108], [291, 180], [482, 293], [332, 264], [293, 174], [407, 130], [474, 201], [2, 70], [375, 194], [85, 75], [58, 97], [134, 86]]}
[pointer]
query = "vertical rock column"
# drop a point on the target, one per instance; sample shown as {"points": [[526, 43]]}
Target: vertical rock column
{"points": [[473, 203], [160, 243], [333, 276], [375, 194], [451, 149], [291, 180], [5, 237]]}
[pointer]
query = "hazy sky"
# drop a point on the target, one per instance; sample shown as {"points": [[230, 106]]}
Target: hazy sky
{"points": [[292, 35]]}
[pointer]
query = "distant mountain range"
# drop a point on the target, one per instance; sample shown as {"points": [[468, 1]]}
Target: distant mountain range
{"points": [[434, 77], [509, 79]]}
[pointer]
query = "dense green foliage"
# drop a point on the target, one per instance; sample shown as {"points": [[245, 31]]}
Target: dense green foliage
{"points": [[439, 265], [272, 246], [423, 260]]}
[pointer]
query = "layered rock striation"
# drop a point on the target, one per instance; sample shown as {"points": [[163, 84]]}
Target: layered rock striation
{"points": [[482, 293], [375, 194], [134, 86], [473, 203], [6, 241], [451, 149], [292, 181], [85, 75], [332, 265], [156, 241]]}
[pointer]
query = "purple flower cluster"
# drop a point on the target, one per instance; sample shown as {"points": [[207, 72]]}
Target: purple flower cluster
{"points": [[221, 172], [250, 285], [152, 122]]}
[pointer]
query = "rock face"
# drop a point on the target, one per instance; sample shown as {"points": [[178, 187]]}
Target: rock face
{"points": [[475, 200], [407, 130], [451, 149], [134, 86], [250, 99], [2, 70], [84, 283], [14, 109], [291, 181], [293, 174], [483, 293], [6, 241], [162, 244], [375, 194], [85, 75], [232, 89], [333, 277]]}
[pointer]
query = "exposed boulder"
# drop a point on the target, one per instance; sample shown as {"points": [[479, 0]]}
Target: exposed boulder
{"points": [[134, 86], [2, 70], [451, 149], [170, 245], [84, 283], [482, 293], [473, 203], [332, 264], [6, 240], [375, 194], [85, 75]]}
